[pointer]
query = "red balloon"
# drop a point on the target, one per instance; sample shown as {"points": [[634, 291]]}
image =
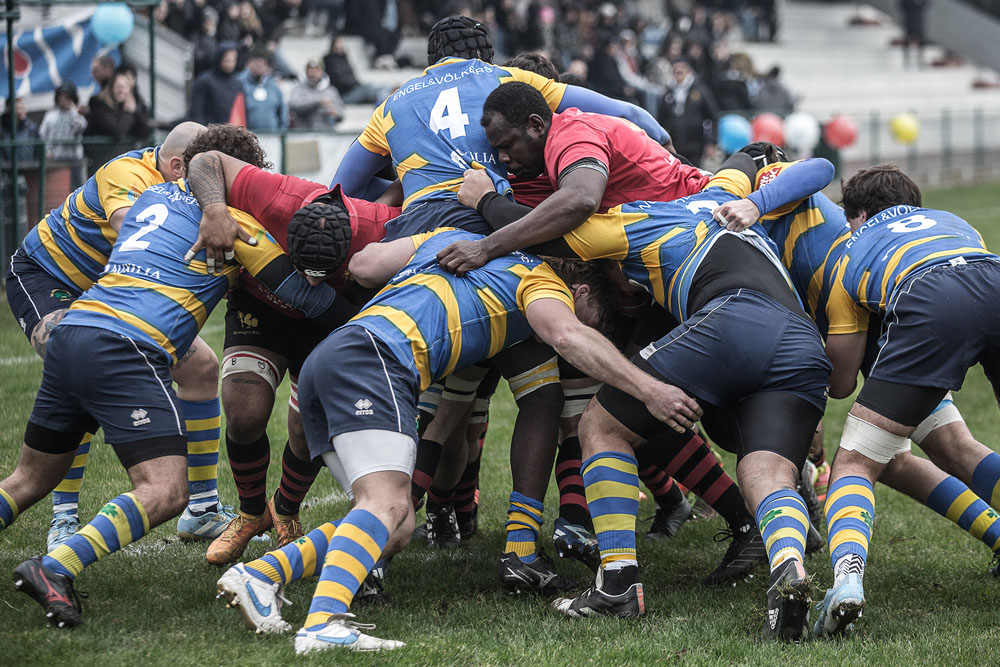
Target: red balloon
{"points": [[768, 127], [840, 132]]}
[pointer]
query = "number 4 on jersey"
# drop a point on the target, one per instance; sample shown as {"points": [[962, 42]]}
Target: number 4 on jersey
{"points": [[447, 114]]}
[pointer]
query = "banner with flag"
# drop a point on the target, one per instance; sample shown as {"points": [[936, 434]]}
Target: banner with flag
{"points": [[46, 55]]}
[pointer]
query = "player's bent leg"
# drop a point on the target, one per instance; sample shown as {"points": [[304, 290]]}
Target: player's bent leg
{"points": [[298, 472], [40, 466]]}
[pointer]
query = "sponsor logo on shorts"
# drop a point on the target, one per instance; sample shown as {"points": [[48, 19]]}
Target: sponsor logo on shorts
{"points": [[364, 407], [61, 294], [247, 320], [139, 417]]}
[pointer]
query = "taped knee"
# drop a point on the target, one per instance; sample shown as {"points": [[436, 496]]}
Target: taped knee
{"points": [[249, 362], [460, 390], [945, 413], [871, 441], [431, 398], [576, 399], [541, 375]]}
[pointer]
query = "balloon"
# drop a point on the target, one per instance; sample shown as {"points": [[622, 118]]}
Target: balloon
{"points": [[840, 132], [112, 23], [734, 132], [801, 131], [768, 127], [905, 128]]}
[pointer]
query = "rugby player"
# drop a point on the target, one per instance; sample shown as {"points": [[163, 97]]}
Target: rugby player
{"points": [[901, 263], [361, 417], [60, 258], [109, 364]]}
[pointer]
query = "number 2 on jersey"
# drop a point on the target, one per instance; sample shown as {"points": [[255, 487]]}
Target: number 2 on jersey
{"points": [[157, 215], [447, 113]]}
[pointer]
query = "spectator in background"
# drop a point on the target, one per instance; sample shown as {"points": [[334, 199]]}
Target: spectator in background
{"points": [[265, 105], [377, 21], [314, 102], [772, 95], [341, 74], [731, 84], [133, 79], [64, 123], [273, 14], [183, 17], [913, 29], [215, 91], [205, 42], [26, 129], [229, 23], [114, 113], [688, 111], [102, 68]]}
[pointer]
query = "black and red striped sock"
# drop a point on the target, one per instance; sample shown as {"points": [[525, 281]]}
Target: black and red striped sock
{"points": [[297, 477], [428, 455], [440, 496], [665, 492], [572, 498], [465, 492], [249, 463]]}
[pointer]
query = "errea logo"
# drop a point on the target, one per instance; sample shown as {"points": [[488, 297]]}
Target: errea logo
{"points": [[139, 417], [364, 407]]}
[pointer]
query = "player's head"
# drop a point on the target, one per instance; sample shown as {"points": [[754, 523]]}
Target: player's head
{"points": [[459, 37], [764, 153], [534, 61], [233, 140], [319, 236], [516, 120], [872, 190], [593, 293], [170, 158]]}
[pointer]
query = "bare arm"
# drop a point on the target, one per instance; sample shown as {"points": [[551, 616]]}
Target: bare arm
{"points": [[210, 176], [116, 219], [846, 353], [377, 263], [578, 197], [393, 195], [592, 353]]}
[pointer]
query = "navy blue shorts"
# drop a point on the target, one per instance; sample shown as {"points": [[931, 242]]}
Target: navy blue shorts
{"points": [[33, 293], [945, 320], [741, 343], [428, 216], [353, 382], [97, 377]]}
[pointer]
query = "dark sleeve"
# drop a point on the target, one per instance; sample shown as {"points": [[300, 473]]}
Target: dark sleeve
{"points": [[741, 162], [319, 303], [498, 211]]}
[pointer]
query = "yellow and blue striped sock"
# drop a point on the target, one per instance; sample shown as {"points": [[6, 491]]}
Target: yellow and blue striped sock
{"points": [[783, 521], [302, 558], [611, 482], [986, 480], [953, 500], [66, 496], [850, 514], [8, 509], [356, 545], [119, 523], [202, 418], [524, 520]]}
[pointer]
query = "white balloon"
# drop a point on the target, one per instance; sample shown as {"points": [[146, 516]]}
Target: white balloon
{"points": [[802, 131]]}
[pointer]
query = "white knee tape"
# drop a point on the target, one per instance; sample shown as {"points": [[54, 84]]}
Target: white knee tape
{"points": [[946, 413], [431, 398], [480, 411], [539, 376], [248, 362], [877, 444], [293, 396], [460, 390], [373, 450], [576, 399]]}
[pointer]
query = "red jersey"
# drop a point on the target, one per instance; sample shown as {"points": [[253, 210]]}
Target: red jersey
{"points": [[638, 167], [531, 191], [274, 198]]}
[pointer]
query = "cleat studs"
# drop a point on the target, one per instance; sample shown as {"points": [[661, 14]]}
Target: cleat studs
{"points": [[18, 583], [48, 614]]}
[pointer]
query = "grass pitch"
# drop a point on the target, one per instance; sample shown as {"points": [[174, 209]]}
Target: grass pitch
{"points": [[930, 600]]}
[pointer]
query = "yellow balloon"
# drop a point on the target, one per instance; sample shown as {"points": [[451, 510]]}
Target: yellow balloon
{"points": [[905, 128]]}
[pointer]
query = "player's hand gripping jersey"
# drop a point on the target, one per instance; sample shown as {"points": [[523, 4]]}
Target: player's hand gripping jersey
{"points": [[896, 245], [73, 242], [148, 292], [437, 323]]}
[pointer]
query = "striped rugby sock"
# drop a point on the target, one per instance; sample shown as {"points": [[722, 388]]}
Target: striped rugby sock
{"points": [[850, 514], [986, 480], [612, 484], [354, 548], [66, 496], [524, 520], [119, 523], [953, 500], [783, 521], [8, 509], [572, 496], [202, 419], [297, 560], [297, 477]]}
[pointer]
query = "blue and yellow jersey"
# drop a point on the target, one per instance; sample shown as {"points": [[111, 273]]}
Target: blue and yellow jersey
{"points": [[661, 244], [430, 126], [148, 292], [73, 242], [810, 239], [437, 323], [897, 244]]}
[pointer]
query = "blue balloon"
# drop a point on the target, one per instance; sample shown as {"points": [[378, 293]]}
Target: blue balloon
{"points": [[734, 132], [112, 23]]}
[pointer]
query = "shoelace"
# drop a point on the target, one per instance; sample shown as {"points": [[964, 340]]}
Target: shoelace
{"points": [[354, 625]]}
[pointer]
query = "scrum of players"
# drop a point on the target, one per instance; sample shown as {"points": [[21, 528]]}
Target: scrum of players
{"points": [[738, 299]]}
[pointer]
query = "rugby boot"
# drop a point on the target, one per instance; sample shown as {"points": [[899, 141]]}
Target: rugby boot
{"points": [[442, 526], [203, 527], [228, 547], [599, 601], [995, 565], [742, 556], [576, 543], [788, 600], [468, 524], [537, 576], [822, 482], [54, 592], [808, 493], [814, 541], [372, 589], [64, 526], [841, 606], [287, 528], [258, 602], [667, 521], [342, 633]]}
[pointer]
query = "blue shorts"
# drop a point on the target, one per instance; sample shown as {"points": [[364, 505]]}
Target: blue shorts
{"points": [[97, 377], [944, 321], [430, 215], [353, 382], [742, 343], [33, 293]]}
